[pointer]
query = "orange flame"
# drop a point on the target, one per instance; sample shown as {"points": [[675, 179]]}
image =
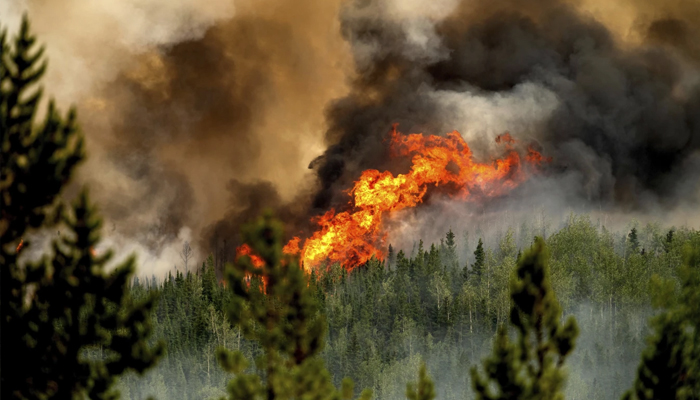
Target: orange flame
{"points": [[505, 138], [353, 237], [292, 247], [19, 246], [93, 252], [245, 250], [256, 260], [534, 157]]}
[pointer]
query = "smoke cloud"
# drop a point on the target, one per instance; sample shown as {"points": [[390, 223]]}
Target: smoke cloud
{"points": [[623, 118], [190, 108], [198, 115]]}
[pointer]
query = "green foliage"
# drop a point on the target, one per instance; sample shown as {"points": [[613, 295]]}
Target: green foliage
{"points": [[381, 322], [530, 367], [37, 161], [283, 318], [424, 390], [450, 259], [73, 324], [670, 366], [479, 260], [669, 241], [633, 241]]}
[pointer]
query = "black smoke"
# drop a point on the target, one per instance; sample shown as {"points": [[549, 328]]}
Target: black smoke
{"points": [[628, 116]]}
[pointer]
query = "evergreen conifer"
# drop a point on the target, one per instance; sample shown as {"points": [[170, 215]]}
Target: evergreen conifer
{"points": [[424, 390], [530, 367], [670, 366], [73, 324], [479, 260], [283, 318]]}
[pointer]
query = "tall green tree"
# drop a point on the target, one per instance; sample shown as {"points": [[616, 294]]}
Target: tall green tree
{"points": [[73, 324], [479, 260], [531, 366], [283, 317], [424, 389], [669, 241], [670, 366], [633, 241], [450, 258]]}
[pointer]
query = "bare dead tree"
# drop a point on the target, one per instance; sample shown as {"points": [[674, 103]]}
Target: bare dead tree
{"points": [[186, 254]]}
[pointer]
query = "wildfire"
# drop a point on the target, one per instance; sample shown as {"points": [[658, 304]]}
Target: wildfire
{"points": [[534, 157], [256, 260], [292, 247], [245, 250], [19, 246], [353, 237]]}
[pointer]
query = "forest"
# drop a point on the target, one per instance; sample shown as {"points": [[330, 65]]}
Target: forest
{"points": [[431, 304], [580, 312]]}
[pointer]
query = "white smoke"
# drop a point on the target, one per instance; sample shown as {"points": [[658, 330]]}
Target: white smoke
{"points": [[89, 42]]}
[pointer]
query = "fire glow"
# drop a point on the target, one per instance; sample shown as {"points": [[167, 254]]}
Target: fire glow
{"points": [[256, 260], [353, 237]]}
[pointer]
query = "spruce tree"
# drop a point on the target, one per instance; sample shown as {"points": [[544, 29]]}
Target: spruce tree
{"points": [[479, 260], [284, 319], [451, 259], [669, 241], [72, 323], [424, 390], [670, 366], [633, 241], [531, 366]]}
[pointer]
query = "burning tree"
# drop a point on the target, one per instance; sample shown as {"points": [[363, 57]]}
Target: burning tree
{"points": [[283, 318], [72, 323]]}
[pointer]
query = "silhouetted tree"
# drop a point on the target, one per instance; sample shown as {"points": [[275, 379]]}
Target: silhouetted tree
{"points": [[72, 324], [670, 366], [633, 241], [391, 257], [530, 367], [669, 241], [186, 254], [479, 260]]}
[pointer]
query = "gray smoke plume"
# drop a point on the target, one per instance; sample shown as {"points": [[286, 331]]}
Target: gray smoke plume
{"points": [[623, 119], [185, 104], [198, 115]]}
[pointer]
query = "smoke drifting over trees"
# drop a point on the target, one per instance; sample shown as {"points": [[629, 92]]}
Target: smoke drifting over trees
{"points": [[200, 115], [622, 118]]}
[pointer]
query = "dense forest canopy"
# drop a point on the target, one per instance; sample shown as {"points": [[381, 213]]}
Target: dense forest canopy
{"points": [[431, 304]]}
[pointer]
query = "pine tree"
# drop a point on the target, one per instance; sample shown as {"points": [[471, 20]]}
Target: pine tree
{"points": [[451, 259], [669, 241], [424, 390], [530, 367], [283, 318], [479, 260], [670, 367], [633, 241], [73, 324]]}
